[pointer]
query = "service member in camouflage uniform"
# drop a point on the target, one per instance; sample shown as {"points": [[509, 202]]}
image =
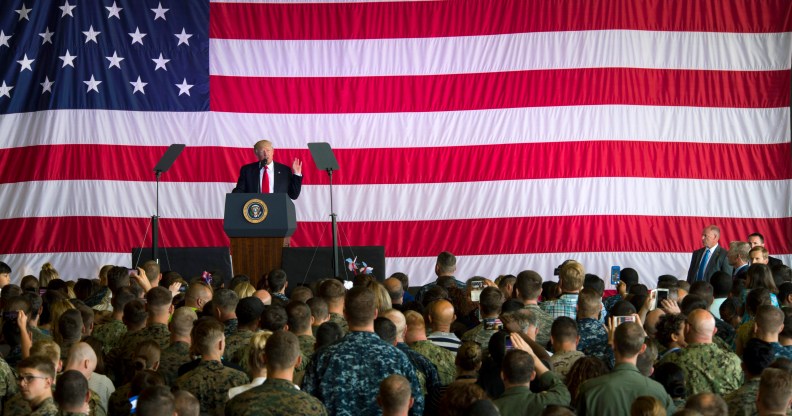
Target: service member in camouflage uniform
{"points": [[224, 305], [593, 335], [178, 352], [527, 289], [82, 359], [72, 394], [757, 355], [248, 315], [697, 359], [210, 381], [442, 358], [490, 303], [769, 323], [775, 392], [159, 307], [8, 382], [110, 333], [425, 370], [344, 375], [135, 317], [277, 395], [36, 377], [564, 337], [333, 291], [299, 321]]}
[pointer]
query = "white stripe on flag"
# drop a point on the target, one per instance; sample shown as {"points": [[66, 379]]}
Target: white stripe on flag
{"points": [[394, 130], [501, 53], [524, 198]]}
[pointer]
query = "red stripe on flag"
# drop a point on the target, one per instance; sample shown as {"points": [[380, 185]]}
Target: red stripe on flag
{"points": [[564, 234], [540, 88], [421, 19], [582, 159]]}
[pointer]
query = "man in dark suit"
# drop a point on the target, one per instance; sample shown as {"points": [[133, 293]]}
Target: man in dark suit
{"points": [[738, 258], [708, 259], [268, 176], [757, 239]]}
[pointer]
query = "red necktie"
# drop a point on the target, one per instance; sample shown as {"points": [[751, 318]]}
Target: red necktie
{"points": [[265, 182]]}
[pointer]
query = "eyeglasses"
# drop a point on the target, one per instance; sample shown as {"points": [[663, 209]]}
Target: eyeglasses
{"points": [[29, 378]]}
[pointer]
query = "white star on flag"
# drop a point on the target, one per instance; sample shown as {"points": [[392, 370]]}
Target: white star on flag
{"points": [[26, 64], [139, 86], [67, 9], [160, 62], [159, 12], [47, 85], [137, 36], [24, 13], [184, 37], [114, 11], [4, 39], [67, 59], [184, 87], [91, 35], [47, 35], [5, 90], [115, 60], [92, 84]]}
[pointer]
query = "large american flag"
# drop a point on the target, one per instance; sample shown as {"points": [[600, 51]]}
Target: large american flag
{"points": [[513, 133]]}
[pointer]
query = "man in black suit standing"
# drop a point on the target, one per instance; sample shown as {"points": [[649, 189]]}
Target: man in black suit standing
{"points": [[267, 176], [708, 259], [757, 239]]}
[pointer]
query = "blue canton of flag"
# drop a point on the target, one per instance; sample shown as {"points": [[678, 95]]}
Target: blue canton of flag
{"points": [[100, 54]]}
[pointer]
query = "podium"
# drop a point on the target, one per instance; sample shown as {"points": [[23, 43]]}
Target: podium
{"points": [[258, 226]]}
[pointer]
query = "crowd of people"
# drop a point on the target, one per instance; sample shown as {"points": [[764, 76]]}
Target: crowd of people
{"points": [[150, 343]]}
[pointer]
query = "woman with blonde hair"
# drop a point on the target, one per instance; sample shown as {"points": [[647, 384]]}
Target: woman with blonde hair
{"points": [[381, 296], [244, 290], [256, 363], [56, 310], [47, 274]]}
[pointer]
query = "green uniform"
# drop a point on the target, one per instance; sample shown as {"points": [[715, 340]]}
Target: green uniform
{"points": [[543, 321], [275, 397], [307, 343], [171, 359], [442, 358], [209, 383], [614, 393], [119, 401], [110, 334], [46, 408], [742, 401], [340, 320], [708, 368], [521, 401], [237, 342], [562, 362]]}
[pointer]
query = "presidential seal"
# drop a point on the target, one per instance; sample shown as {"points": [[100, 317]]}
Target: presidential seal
{"points": [[255, 211]]}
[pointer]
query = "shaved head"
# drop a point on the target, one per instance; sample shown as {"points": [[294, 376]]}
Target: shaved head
{"points": [[398, 319], [82, 358], [441, 313], [264, 296], [701, 327]]}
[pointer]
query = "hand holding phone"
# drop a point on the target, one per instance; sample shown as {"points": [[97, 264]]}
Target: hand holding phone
{"points": [[476, 287], [615, 275]]}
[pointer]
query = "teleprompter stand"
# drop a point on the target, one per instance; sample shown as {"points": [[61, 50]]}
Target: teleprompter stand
{"points": [[163, 165], [325, 160]]}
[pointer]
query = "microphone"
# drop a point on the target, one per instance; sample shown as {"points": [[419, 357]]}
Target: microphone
{"points": [[263, 163]]}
